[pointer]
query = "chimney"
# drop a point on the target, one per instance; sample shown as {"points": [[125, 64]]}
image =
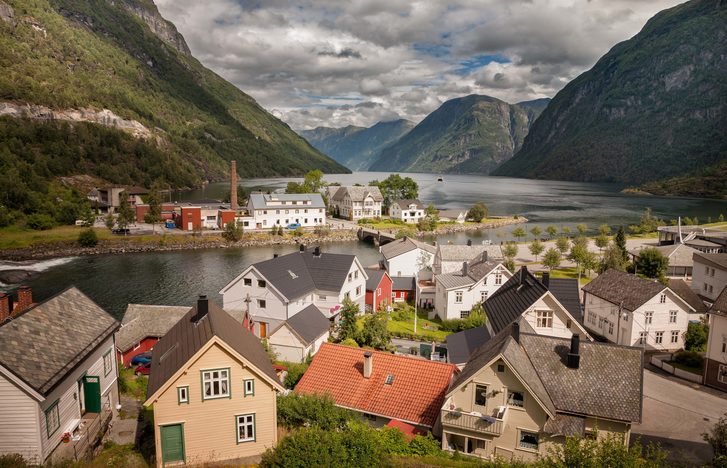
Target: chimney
{"points": [[302, 248], [484, 256], [465, 268], [233, 185], [546, 279], [317, 252], [25, 299], [469, 242], [523, 273], [574, 357], [368, 364], [202, 308], [4, 306], [516, 332], [275, 255]]}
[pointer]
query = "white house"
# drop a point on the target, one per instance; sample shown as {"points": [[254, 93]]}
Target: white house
{"points": [[456, 216], [60, 382], [301, 335], [709, 275], [275, 290], [715, 368], [633, 311], [457, 293], [407, 257], [353, 202], [283, 209], [449, 257], [408, 211]]}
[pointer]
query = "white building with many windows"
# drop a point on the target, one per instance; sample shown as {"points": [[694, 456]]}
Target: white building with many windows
{"points": [[457, 293], [709, 276], [284, 209], [633, 311], [408, 211], [353, 202]]}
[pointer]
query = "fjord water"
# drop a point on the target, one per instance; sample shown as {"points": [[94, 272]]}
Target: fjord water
{"points": [[176, 278]]}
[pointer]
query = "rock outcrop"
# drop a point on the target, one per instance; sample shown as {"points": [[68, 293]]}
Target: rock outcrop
{"points": [[164, 30]]}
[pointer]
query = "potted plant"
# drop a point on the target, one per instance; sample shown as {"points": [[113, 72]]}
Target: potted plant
{"points": [[66, 437]]}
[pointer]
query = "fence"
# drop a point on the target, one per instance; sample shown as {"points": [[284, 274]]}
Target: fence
{"points": [[660, 361]]}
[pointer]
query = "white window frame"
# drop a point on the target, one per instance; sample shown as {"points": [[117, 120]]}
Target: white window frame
{"points": [[242, 420], [483, 296], [519, 440], [211, 379], [498, 278], [673, 316], [509, 398], [662, 299], [675, 336], [544, 318], [463, 314], [643, 338], [248, 386], [108, 362], [659, 337], [183, 395], [722, 373], [648, 317]]}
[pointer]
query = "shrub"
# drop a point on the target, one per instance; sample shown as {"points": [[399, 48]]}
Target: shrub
{"points": [[689, 358], [312, 410], [232, 232], [350, 342], [695, 338], [13, 460], [88, 238], [40, 222], [609, 451], [298, 232], [295, 373]]}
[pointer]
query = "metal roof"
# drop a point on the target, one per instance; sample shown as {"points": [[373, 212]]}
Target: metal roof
{"points": [[618, 287], [261, 201], [404, 245], [309, 324], [513, 298], [461, 345], [357, 193], [403, 283], [142, 320]]}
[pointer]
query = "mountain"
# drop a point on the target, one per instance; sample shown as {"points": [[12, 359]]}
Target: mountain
{"points": [[109, 89], [653, 108], [356, 147], [472, 134]]}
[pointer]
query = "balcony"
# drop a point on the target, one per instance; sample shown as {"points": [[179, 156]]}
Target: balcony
{"points": [[474, 421]]}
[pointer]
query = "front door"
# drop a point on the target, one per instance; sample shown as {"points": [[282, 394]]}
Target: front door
{"points": [[263, 330], [92, 393], [172, 437]]}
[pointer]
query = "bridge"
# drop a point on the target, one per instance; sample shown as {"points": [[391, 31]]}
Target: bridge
{"points": [[375, 236]]}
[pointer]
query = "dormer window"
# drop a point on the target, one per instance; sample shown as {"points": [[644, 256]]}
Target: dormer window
{"points": [[662, 299], [544, 318]]}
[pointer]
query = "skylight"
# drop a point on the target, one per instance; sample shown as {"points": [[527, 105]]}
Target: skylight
{"points": [[292, 275], [389, 379]]}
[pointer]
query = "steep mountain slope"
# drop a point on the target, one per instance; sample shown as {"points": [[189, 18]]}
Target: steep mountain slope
{"points": [[472, 134], [75, 58], [654, 107], [357, 147]]}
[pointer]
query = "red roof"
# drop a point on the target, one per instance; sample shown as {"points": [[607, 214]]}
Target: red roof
{"points": [[408, 430], [415, 394]]}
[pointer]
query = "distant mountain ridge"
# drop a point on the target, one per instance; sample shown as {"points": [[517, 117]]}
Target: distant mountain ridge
{"points": [[356, 147], [472, 134], [652, 111]]}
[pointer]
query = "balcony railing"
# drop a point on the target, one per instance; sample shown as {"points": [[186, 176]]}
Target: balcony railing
{"points": [[473, 422]]}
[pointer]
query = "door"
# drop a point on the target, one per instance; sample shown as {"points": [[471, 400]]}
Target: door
{"points": [[190, 226], [172, 438], [263, 330], [92, 393]]}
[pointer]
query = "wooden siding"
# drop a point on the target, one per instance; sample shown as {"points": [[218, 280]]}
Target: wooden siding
{"points": [[19, 422], [209, 425]]}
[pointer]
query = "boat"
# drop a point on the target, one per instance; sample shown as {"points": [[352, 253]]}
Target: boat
{"points": [[440, 179]]}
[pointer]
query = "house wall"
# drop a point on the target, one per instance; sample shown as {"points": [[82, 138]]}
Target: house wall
{"points": [[407, 263], [189, 215], [19, 424], [407, 214], [716, 363], [208, 218], [286, 345], [209, 425], [144, 345], [283, 215], [382, 294], [234, 299], [707, 280], [357, 209], [562, 327], [445, 299]]}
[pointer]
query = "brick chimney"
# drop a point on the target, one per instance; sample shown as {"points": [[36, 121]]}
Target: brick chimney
{"points": [[233, 185], [368, 367], [4, 306], [25, 299]]}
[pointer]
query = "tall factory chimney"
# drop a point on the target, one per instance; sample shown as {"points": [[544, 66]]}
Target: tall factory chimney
{"points": [[233, 185]]}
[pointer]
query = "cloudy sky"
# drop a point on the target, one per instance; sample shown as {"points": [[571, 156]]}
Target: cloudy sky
{"points": [[337, 62]]}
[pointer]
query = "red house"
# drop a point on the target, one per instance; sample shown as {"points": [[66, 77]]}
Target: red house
{"points": [[378, 289], [403, 288], [142, 327], [190, 218]]}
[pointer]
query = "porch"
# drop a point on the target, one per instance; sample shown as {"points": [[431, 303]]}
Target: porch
{"points": [[474, 421], [84, 437]]}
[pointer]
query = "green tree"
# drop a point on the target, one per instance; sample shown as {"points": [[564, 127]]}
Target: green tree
{"points": [[126, 213], [233, 231], [519, 233], [551, 259], [612, 259], [536, 248], [582, 228], [609, 451], [477, 212], [296, 411], [109, 221], [721, 218], [536, 231], [717, 439], [648, 222], [579, 254], [154, 214], [347, 323], [405, 232], [510, 250], [604, 230], [88, 216], [602, 241], [476, 318], [620, 243], [651, 263], [374, 332], [241, 196], [427, 223], [695, 338], [565, 230], [40, 222], [87, 238], [396, 187], [432, 211], [563, 244], [551, 230], [312, 183]]}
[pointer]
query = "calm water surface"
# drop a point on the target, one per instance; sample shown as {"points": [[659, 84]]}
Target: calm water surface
{"points": [[176, 278]]}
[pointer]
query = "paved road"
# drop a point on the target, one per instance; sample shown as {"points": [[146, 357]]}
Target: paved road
{"points": [[676, 413]]}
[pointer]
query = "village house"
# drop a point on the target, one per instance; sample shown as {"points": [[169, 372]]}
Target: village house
{"points": [[403, 288], [213, 391], [408, 257], [448, 258], [715, 364], [628, 310], [274, 290], [354, 203], [680, 259], [59, 390], [301, 335], [682, 289], [108, 199], [521, 394], [142, 326], [378, 289], [408, 211], [382, 386], [710, 275], [453, 216], [284, 209]]}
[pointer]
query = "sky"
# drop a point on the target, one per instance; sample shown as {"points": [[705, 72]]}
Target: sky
{"points": [[357, 62]]}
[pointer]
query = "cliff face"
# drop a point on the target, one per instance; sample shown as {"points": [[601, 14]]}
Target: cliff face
{"points": [[654, 107], [473, 134], [148, 12]]}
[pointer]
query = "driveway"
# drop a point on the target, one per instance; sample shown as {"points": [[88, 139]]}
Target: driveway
{"points": [[676, 413]]}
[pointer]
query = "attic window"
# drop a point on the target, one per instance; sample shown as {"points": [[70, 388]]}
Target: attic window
{"points": [[389, 379], [292, 275]]}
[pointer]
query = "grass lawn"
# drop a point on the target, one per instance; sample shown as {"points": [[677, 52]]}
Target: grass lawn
{"points": [[694, 370], [426, 329], [569, 273], [131, 385], [14, 237], [386, 224]]}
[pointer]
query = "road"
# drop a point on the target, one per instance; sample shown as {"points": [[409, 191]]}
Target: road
{"points": [[676, 413]]}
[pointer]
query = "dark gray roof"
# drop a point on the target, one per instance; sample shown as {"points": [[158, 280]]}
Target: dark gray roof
{"points": [[565, 425], [403, 283], [309, 324], [44, 343], [607, 383], [475, 272], [300, 273], [702, 243], [720, 304], [374, 278], [513, 298], [568, 293], [142, 320], [717, 260], [460, 346], [404, 204], [679, 255], [682, 289], [358, 193], [616, 286], [404, 245], [186, 337]]}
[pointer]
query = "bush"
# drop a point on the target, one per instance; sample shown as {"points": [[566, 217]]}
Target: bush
{"points": [[88, 238], [232, 232], [688, 358], [13, 460], [40, 222], [295, 373], [608, 451], [312, 410], [349, 342], [695, 338]]}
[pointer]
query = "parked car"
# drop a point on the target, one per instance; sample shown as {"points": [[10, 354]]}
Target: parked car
{"points": [[143, 369], [142, 358], [293, 226], [121, 231]]}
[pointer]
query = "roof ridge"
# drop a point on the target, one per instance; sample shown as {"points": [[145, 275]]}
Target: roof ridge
{"points": [[392, 355]]}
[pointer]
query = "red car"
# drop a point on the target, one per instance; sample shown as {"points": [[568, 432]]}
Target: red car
{"points": [[143, 369]]}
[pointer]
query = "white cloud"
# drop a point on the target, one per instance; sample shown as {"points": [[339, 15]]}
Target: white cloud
{"points": [[312, 62]]}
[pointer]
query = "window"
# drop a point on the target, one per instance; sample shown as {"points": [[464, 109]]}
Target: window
{"points": [[722, 373], [516, 399], [672, 316], [458, 297], [322, 298], [711, 273], [247, 281], [347, 295], [592, 318], [662, 299], [647, 317], [483, 296], [261, 283], [261, 303], [182, 395], [480, 395], [711, 289], [355, 274], [501, 368], [215, 383], [463, 314], [658, 337], [249, 385], [724, 344], [601, 321], [674, 336], [350, 277], [610, 328], [643, 337], [544, 318], [528, 440], [245, 428], [108, 363], [498, 278], [52, 419], [358, 290]]}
